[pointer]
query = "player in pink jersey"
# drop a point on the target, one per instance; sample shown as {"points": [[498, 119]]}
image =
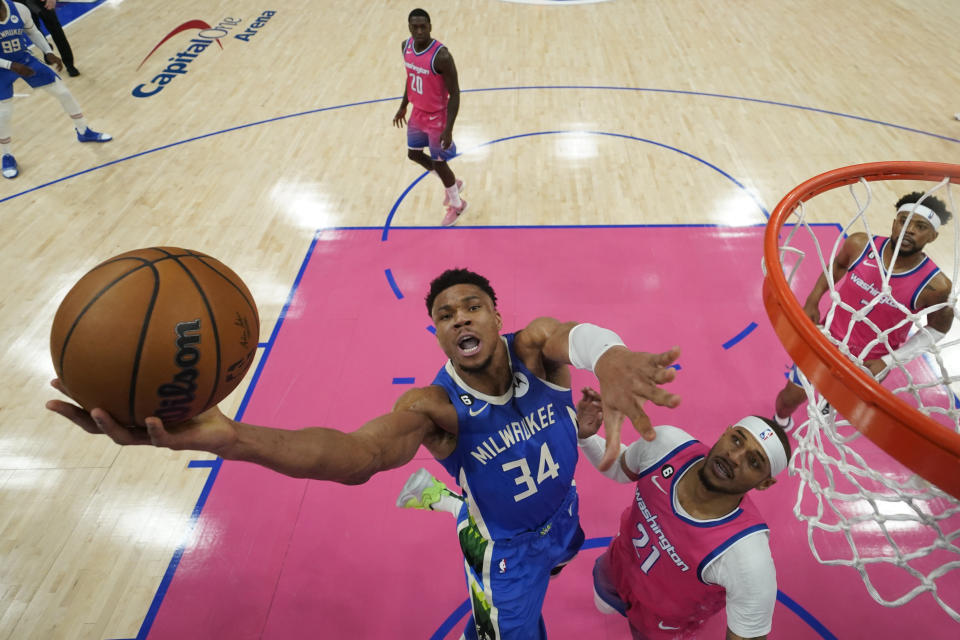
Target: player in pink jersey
{"points": [[433, 88], [691, 542], [915, 282]]}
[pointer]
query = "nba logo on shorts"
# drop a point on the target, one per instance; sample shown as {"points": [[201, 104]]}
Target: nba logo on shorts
{"points": [[503, 565]]}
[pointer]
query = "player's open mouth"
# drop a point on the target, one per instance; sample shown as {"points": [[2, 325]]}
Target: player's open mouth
{"points": [[468, 345], [722, 469]]}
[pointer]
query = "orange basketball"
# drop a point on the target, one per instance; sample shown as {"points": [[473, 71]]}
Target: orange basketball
{"points": [[163, 332]]}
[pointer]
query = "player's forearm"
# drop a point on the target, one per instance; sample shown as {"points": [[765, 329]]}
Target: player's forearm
{"points": [[818, 290], [453, 108], [317, 453]]}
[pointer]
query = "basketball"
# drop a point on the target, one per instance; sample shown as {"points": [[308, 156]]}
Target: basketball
{"points": [[163, 332]]}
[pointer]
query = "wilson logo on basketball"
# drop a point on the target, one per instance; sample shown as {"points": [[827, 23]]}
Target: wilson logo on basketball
{"points": [[207, 34], [178, 395]]}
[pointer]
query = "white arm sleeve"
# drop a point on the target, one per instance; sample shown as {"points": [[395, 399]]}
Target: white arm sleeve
{"points": [[747, 572], [639, 456], [918, 343], [593, 448], [32, 30]]}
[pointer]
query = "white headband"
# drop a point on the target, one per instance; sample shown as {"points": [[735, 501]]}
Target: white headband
{"points": [[769, 440], [926, 213]]}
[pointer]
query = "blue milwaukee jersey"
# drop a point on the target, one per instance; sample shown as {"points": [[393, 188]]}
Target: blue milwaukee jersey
{"points": [[13, 40], [515, 453]]}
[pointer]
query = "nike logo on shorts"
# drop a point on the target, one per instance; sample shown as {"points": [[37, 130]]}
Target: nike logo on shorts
{"points": [[433, 117], [666, 628], [478, 411]]}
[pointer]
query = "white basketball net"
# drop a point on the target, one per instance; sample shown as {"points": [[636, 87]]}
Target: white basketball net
{"points": [[862, 508]]}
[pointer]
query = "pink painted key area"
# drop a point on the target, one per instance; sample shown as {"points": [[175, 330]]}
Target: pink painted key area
{"points": [[279, 558]]}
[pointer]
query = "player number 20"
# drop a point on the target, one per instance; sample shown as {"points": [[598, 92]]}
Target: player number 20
{"points": [[547, 469], [416, 83], [11, 46]]}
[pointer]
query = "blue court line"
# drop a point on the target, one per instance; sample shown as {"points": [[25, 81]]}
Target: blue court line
{"points": [[723, 96], [201, 501], [188, 140], [396, 204], [158, 597], [404, 380], [67, 12], [393, 284], [740, 336], [464, 609], [517, 88], [804, 615], [216, 464], [276, 328]]}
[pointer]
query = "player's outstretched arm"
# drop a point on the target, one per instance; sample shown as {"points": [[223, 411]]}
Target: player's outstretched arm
{"points": [[318, 453], [627, 378], [849, 250]]}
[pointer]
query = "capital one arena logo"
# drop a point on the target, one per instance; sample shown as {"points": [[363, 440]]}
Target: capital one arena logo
{"points": [[179, 64]]}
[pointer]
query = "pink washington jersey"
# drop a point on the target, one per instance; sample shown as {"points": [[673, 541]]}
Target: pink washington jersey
{"points": [[861, 284], [659, 555], [425, 87]]}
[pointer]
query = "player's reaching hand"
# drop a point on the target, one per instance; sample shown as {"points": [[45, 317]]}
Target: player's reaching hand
{"points": [[589, 413], [627, 380], [210, 431], [401, 117], [812, 309], [52, 60], [21, 70]]}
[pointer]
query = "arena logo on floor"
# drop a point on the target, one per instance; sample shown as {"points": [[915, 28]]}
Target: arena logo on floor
{"points": [[179, 64]]}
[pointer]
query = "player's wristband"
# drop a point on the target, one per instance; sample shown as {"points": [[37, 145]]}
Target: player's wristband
{"points": [[587, 342]]}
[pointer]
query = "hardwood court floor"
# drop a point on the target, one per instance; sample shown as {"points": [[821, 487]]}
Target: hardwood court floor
{"points": [[622, 112]]}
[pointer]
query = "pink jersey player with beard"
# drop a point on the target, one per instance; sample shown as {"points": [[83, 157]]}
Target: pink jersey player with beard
{"points": [[861, 284], [660, 553]]}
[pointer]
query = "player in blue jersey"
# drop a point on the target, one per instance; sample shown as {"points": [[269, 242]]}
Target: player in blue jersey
{"points": [[16, 62], [499, 417]]}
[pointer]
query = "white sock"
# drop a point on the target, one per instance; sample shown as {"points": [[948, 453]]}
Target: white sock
{"points": [[6, 109], [454, 194], [80, 123], [449, 503]]}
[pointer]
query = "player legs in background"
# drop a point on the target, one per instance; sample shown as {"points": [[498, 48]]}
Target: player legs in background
{"points": [[38, 75]]}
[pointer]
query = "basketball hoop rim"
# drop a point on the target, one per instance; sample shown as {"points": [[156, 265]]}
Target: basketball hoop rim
{"points": [[918, 441]]}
